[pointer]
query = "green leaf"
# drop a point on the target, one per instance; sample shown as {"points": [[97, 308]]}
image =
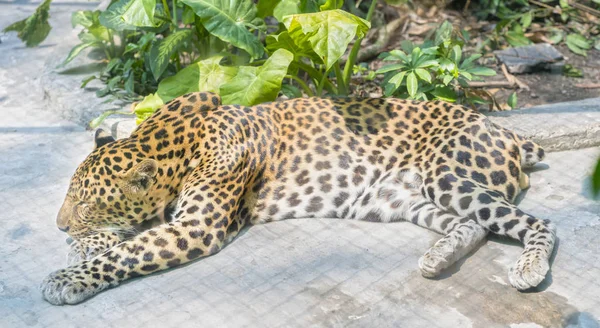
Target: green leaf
{"points": [[229, 20], [447, 79], [151, 103], [284, 8], [162, 50], [291, 91], [512, 100], [526, 19], [517, 39], [556, 37], [87, 80], [139, 13], [456, 53], [205, 75], [389, 68], [284, 41], [423, 75], [35, 28], [443, 33], [571, 71], [445, 93], [76, 50], [111, 17], [265, 8], [411, 84], [482, 71], [447, 64], [596, 180], [578, 44], [332, 4], [467, 63], [129, 84], [397, 79], [84, 18], [253, 85], [328, 33]]}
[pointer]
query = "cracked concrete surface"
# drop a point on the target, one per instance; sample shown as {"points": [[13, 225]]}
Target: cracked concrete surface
{"points": [[297, 273]]}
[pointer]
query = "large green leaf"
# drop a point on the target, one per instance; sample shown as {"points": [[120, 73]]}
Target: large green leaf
{"points": [[139, 13], [111, 17], [35, 28], [328, 33], [205, 75], [284, 8], [254, 85], [162, 50], [578, 44], [229, 21], [265, 8], [284, 41]]}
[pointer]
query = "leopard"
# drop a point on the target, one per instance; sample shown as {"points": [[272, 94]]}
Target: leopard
{"points": [[206, 170]]}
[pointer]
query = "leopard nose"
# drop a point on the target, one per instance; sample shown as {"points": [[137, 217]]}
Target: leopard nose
{"points": [[64, 229]]}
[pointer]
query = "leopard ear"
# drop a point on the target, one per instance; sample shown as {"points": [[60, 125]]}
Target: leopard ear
{"points": [[101, 138], [138, 179]]}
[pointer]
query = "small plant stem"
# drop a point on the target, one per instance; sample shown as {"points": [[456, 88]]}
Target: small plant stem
{"points": [[175, 13], [166, 7], [303, 85], [341, 83], [322, 84], [316, 75], [354, 51], [112, 42]]}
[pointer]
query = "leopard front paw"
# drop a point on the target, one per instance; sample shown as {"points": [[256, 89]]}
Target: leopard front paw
{"points": [[70, 286]]}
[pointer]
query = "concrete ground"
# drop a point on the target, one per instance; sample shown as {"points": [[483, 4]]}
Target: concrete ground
{"points": [[297, 273]]}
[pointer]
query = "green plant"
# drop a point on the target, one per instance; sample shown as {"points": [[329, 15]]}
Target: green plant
{"points": [[557, 20], [163, 49], [596, 180], [435, 69]]}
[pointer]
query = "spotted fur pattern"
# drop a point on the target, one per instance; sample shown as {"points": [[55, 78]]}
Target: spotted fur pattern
{"points": [[208, 170]]}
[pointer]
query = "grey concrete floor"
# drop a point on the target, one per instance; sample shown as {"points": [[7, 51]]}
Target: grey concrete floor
{"points": [[297, 273]]}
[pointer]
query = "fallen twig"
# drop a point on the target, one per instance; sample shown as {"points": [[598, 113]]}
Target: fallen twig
{"points": [[588, 85]]}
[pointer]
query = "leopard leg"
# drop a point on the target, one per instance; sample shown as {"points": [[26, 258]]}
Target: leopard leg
{"points": [[89, 247], [203, 219], [400, 198], [491, 210]]}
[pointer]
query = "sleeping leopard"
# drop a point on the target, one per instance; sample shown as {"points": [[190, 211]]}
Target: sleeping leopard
{"points": [[215, 169]]}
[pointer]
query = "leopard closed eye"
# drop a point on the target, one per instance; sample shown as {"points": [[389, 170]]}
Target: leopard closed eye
{"points": [[219, 168]]}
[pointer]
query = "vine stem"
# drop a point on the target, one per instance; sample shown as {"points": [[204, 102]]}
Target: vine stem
{"points": [[303, 85], [354, 52]]}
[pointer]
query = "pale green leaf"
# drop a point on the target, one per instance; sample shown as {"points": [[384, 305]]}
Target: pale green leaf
{"points": [[411, 84], [332, 4], [254, 85], [205, 75], [423, 75], [397, 79], [512, 100], [139, 13], [482, 71], [328, 33]]}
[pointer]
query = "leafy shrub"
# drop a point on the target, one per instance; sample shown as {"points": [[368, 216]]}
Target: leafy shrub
{"points": [[169, 48], [435, 69]]}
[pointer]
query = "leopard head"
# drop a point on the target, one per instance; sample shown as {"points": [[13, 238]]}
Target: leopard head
{"points": [[110, 191]]}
